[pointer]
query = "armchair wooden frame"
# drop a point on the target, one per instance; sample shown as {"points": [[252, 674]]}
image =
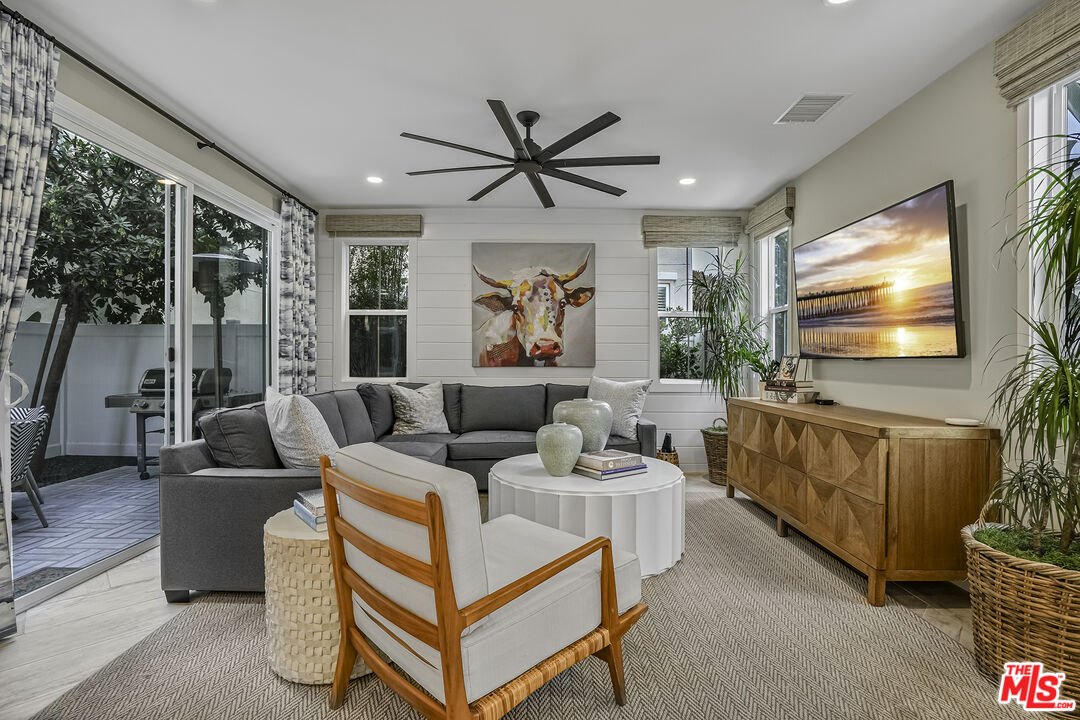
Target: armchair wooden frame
{"points": [[445, 635]]}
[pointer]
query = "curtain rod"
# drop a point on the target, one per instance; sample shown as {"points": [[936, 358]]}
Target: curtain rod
{"points": [[201, 140]]}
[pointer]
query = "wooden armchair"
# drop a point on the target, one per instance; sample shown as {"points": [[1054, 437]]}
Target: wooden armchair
{"points": [[476, 617]]}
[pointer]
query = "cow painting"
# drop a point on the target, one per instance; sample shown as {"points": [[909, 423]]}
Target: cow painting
{"points": [[536, 316]]}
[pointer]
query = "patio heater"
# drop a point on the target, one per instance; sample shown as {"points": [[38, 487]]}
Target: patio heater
{"points": [[214, 276]]}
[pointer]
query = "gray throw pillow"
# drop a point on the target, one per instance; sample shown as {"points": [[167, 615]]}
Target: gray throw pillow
{"points": [[627, 400], [418, 411], [299, 430]]}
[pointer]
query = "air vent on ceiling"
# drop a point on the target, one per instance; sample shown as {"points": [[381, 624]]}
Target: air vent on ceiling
{"points": [[809, 109]]}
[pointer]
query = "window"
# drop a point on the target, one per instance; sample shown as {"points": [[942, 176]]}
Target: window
{"points": [[773, 289], [376, 309], [678, 328]]}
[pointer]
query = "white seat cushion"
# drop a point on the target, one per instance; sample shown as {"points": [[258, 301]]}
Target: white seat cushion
{"points": [[530, 629]]}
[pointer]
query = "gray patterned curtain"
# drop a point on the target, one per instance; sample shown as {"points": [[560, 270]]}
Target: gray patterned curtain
{"points": [[296, 323], [28, 66]]}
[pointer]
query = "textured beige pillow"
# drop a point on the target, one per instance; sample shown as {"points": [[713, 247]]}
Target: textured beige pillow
{"points": [[627, 400], [298, 429], [418, 411]]}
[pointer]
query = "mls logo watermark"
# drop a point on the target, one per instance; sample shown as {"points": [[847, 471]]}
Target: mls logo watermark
{"points": [[1033, 689]]}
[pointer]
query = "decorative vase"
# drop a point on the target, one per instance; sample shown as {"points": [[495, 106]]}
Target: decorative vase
{"points": [[559, 445], [592, 416]]}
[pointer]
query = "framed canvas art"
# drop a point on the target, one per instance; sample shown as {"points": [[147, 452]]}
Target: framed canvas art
{"points": [[533, 305]]}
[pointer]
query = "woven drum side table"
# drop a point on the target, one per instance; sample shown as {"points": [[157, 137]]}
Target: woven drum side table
{"points": [[301, 608]]}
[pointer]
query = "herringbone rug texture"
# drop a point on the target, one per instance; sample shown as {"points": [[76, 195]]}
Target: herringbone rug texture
{"points": [[748, 625]]}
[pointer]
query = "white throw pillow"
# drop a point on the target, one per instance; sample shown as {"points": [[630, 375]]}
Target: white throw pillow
{"points": [[419, 411], [627, 400], [299, 431]]}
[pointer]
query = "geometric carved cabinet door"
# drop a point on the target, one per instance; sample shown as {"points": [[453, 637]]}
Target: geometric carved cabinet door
{"points": [[860, 527], [819, 451], [771, 480], [752, 479], [770, 428], [860, 465], [748, 429], [736, 462], [792, 446], [734, 423]]}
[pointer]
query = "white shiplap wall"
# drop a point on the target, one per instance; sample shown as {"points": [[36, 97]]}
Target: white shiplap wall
{"points": [[625, 319]]}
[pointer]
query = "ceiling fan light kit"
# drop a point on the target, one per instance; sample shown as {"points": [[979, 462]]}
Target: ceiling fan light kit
{"points": [[533, 161]]}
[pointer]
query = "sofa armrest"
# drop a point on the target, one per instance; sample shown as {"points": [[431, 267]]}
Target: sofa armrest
{"points": [[646, 435], [211, 524], [186, 457]]}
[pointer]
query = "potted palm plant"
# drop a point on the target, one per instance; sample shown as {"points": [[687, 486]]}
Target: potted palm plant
{"points": [[731, 341], [1025, 571]]}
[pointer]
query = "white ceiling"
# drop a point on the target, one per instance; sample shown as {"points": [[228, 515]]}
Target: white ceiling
{"points": [[315, 93]]}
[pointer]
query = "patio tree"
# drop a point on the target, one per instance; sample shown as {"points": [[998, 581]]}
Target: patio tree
{"points": [[100, 249]]}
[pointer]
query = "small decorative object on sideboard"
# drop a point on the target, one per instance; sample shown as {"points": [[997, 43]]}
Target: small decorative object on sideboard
{"points": [[667, 452], [559, 445], [593, 417], [792, 383], [310, 506]]}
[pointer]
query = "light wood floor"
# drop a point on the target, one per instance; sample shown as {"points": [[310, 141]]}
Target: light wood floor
{"points": [[66, 639]]}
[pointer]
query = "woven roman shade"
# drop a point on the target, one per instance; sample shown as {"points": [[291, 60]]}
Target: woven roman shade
{"points": [[774, 213], [691, 230], [378, 226], [1038, 52]]}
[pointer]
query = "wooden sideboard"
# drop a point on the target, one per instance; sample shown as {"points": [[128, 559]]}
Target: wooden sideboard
{"points": [[886, 493]]}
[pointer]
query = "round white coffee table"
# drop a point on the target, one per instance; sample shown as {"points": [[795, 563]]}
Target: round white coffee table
{"points": [[301, 605], [643, 514]]}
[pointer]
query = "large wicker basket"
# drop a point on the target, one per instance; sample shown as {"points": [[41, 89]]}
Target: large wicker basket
{"points": [[716, 443], [1022, 610]]}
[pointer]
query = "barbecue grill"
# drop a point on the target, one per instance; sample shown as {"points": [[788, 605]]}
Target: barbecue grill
{"points": [[149, 401]]}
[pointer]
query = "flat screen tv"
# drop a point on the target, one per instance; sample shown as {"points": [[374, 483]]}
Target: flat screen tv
{"points": [[885, 286]]}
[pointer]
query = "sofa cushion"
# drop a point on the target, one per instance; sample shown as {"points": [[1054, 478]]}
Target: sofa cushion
{"points": [[492, 444], [557, 393], [379, 406], [451, 402], [627, 400], [240, 438], [354, 416], [617, 442], [300, 432], [441, 438], [433, 452], [418, 411], [327, 405], [530, 628], [519, 407]]}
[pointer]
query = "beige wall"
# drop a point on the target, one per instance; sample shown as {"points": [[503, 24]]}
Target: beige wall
{"points": [[90, 89], [957, 128]]}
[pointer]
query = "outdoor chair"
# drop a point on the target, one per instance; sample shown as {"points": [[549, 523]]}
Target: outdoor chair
{"points": [[476, 617], [28, 426]]}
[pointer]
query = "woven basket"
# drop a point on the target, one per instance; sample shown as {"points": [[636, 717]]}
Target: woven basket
{"points": [[716, 443], [1022, 610], [669, 457]]}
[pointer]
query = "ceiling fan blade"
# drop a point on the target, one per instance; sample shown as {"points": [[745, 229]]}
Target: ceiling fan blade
{"points": [[459, 169], [466, 148], [579, 180], [582, 133], [499, 181], [604, 161], [541, 190], [503, 116]]}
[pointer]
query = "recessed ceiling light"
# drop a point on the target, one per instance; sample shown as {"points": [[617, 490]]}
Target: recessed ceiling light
{"points": [[687, 181], [375, 179], [836, 2]]}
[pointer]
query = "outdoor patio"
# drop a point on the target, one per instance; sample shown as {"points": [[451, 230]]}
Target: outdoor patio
{"points": [[90, 518]]}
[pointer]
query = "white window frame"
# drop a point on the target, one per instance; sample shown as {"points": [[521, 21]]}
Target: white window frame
{"points": [[766, 281], [343, 312], [665, 385]]}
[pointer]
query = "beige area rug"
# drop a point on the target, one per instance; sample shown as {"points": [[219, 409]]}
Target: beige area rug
{"points": [[747, 625]]}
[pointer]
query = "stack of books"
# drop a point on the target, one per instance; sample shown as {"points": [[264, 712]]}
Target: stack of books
{"points": [[609, 464], [790, 391], [310, 507]]}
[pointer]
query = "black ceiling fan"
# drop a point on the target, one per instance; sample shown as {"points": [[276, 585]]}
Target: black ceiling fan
{"points": [[532, 160]]}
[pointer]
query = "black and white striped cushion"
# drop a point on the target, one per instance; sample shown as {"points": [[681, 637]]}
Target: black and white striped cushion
{"points": [[28, 427]]}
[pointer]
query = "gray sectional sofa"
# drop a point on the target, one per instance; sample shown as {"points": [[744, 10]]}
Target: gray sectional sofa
{"points": [[217, 492]]}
